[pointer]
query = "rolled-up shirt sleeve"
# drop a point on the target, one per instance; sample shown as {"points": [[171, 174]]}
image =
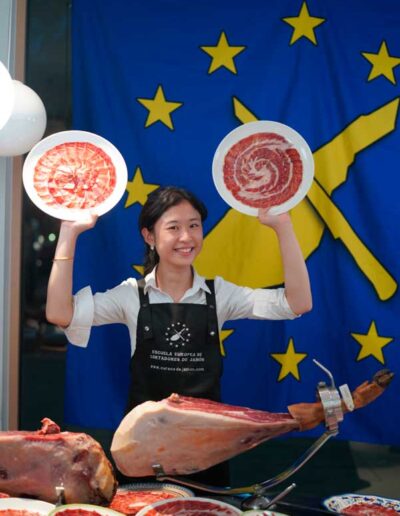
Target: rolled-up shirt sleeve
{"points": [[78, 332], [235, 302], [95, 310], [272, 304]]}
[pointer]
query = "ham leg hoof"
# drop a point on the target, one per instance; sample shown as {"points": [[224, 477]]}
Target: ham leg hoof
{"points": [[310, 415]]}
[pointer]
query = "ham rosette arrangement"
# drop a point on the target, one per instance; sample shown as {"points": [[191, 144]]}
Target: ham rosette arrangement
{"points": [[76, 175], [263, 170], [70, 173], [263, 165]]}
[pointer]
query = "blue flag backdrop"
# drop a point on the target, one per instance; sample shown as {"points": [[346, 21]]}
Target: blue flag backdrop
{"points": [[165, 81]]}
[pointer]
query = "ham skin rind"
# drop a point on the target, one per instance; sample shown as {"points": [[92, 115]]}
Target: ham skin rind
{"points": [[185, 435]]}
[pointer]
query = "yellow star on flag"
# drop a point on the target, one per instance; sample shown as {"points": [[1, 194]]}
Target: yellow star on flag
{"points": [[289, 361], [222, 54], [138, 190], [223, 335], [382, 63], [371, 344], [139, 269], [303, 25], [159, 108]]}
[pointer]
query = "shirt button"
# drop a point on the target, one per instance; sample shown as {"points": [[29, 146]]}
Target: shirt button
{"points": [[212, 333], [146, 328]]}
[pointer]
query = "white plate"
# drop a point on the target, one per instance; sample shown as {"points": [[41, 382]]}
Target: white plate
{"points": [[292, 136], [157, 486], [53, 140], [340, 502], [182, 501], [105, 511], [263, 513], [26, 504]]}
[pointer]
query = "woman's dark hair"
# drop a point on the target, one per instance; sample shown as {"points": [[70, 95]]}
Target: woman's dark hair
{"points": [[158, 202]]}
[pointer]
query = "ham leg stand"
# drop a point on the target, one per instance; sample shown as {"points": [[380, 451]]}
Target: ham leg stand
{"points": [[332, 406]]}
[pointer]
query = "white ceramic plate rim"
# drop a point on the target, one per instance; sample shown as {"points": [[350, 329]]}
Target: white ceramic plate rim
{"points": [[340, 502], [256, 127], [153, 486], [26, 504], [7, 95], [75, 136], [86, 506], [145, 510]]}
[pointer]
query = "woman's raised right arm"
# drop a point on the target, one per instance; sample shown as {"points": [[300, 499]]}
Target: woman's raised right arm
{"points": [[59, 305]]}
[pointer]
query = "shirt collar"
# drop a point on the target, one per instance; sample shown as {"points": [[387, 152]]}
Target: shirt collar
{"points": [[199, 282]]}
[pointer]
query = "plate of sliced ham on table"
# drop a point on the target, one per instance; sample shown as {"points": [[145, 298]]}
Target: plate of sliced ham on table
{"points": [[131, 498], [71, 173], [190, 506], [83, 509], [10, 506], [366, 505], [263, 164]]}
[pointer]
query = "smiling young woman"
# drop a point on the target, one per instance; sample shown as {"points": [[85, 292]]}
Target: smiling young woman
{"points": [[173, 314]]}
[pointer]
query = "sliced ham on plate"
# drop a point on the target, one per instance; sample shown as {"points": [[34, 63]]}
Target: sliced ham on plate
{"points": [[263, 165], [71, 173]]}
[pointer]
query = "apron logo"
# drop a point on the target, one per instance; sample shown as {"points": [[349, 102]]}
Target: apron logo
{"points": [[177, 334]]}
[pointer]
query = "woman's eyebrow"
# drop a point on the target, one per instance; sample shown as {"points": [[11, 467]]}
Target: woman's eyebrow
{"points": [[175, 221]]}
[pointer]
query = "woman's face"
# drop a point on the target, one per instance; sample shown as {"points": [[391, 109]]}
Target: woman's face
{"points": [[177, 235]]}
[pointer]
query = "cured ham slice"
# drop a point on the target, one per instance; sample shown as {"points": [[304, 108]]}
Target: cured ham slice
{"points": [[263, 170], [76, 175], [191, 507], [369, 509], [33, 464], [131, 502], [185, 435]]}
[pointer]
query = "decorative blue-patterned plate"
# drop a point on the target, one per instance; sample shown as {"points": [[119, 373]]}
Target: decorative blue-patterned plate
{"points": [[340, 502]]}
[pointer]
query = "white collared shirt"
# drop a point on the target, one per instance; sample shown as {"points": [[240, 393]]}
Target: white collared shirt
{"points": [[121, 305]]}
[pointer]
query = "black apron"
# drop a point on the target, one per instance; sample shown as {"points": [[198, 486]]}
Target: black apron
{"points": [[178, 351]]}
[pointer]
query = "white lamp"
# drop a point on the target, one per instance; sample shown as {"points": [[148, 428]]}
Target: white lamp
{"points": [[6, 95], [26, 123]]}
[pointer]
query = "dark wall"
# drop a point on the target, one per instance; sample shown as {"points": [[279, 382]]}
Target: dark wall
{"points": [[43, 346]]}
